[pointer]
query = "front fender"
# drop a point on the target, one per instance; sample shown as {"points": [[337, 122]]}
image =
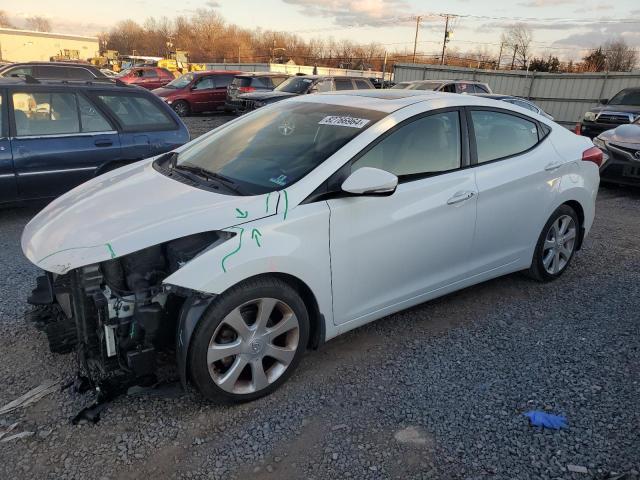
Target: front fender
{"points": [[297, 245]]}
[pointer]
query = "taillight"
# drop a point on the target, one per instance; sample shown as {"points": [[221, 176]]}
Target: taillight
{"points": [[578, 129], [594, 154], [247, 89]]}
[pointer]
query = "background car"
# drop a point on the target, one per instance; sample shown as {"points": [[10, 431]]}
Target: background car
{"points": [[621, 148], [378, 83], [62, 134], [147, 77], [197, 91], [274, 233], [301, 85], [521, 102], [251, 82], [623, 108], [109, 73], [53, 70], [449, 86]]}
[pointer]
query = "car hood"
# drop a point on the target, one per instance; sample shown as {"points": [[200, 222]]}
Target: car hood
{"points": [[616, 108], [270, 95], [129, 209], [166, 92], [623, 134]]}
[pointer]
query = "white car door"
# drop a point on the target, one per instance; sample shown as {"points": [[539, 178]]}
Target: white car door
{"points": [[388, 251], [515, 173]]}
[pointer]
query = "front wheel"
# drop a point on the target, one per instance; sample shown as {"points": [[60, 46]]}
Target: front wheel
{"points": [[181, 108], [556, 245], [249, 341]]}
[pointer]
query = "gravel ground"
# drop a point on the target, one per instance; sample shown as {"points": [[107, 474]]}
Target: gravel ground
{"points": [[437, 391]]}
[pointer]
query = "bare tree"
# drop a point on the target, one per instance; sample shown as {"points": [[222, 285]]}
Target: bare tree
{"points": [[4, 20], [620, 56], [38, 23], [517, 40]]}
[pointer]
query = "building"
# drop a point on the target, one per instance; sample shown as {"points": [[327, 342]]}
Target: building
{"points": [[27, 46]]}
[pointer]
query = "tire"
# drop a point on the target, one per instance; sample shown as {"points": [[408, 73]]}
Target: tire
{"points": [[229, 357], [551, 258], [182, 108]]}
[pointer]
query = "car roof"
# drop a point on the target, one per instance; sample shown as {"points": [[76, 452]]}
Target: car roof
{"points": [[99, 83], [390, 100], [262, 74], [438, 80], [55, 64], [215, 72]]}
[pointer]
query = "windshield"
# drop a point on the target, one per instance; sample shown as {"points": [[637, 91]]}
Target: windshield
{"points": [[295, 85], [274, 147], [626, 97], [424, 86], [181, 81]]}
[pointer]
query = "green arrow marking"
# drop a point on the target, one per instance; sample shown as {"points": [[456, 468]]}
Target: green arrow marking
{"points": [[255, 235], [234, 252], [286, 204], [267, 203], [113, 254], [241, 213]]}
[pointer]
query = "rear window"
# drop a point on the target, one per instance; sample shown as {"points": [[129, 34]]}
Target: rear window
{"points": [[261, 82], [137, 113], [241, 81], [45, 113]]}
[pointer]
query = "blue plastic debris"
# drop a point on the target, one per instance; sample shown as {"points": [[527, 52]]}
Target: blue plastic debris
{"points": [[543, 419]]}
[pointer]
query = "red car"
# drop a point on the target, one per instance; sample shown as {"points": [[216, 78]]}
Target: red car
{"points": [[197, 91], [147, 77]]}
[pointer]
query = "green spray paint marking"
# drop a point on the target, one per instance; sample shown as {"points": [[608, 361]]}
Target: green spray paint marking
{"points": [[234, 252], [255, 235], [108, 245], [286, 204], [241, 213], [113, 254], [267, 203]]}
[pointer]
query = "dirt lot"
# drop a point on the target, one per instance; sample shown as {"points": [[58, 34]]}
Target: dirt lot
{"points": [[434, 392]]}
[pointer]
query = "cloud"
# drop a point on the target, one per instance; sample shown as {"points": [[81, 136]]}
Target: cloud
{"points": [[356, 12], [546, 3], [212, 4], [597, 35]]}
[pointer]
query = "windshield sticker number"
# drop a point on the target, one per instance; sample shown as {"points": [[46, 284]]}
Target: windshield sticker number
{"points": [[281, 180], [344, 121]]}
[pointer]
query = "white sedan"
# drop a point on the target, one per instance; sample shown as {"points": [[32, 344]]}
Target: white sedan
{"points": [[300, 221]]}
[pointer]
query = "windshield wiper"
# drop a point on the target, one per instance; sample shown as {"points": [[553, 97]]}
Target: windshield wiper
{"points": [[209, 175]]}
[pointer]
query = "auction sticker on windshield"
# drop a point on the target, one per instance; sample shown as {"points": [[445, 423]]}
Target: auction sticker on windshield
{"points": [[344, 121]]}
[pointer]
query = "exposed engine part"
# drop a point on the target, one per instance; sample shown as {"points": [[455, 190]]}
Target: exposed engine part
{"points": [[118, 314]]}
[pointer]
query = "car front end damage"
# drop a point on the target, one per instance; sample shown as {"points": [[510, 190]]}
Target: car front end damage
{"points": [[118, 315]]}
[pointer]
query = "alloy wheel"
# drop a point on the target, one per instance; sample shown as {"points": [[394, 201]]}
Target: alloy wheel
{"points": [[253, 345], [559, 244]]}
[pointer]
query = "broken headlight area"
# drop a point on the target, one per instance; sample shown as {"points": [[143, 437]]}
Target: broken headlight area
{"points": [[117, 314]]}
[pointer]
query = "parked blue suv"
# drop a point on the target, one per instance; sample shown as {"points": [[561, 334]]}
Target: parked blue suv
{"points": [[55, 135]]}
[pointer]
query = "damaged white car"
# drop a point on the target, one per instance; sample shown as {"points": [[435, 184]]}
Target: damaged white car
{"points": [[298, 222]]}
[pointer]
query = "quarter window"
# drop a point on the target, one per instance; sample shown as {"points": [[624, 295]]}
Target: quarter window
{"points": [[137, 112], [362, 84], [427, 145], [149, 73], [45, 113], [205, 84], [500, 135], [343, 84]]}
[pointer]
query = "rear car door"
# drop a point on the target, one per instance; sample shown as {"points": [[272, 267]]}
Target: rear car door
{"points": [[8, 188], [60, 140], [146, 128], [515, 174], [150, 79], [388, 251]]}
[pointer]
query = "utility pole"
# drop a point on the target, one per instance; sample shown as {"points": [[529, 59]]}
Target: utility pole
{"points": [[384, 69], [415, 41], [513, 60], [499, 56], [445, 39]]}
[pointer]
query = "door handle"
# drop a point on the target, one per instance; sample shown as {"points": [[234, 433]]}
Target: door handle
{"points": [[553, 166], [460, 197], [103, 143]]}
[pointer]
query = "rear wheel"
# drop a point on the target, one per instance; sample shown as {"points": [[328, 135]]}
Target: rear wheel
{"points": [[556, 245], [181, 108], [249, 342]]}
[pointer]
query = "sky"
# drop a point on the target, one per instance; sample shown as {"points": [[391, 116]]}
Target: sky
{"points": [[566, 28]]}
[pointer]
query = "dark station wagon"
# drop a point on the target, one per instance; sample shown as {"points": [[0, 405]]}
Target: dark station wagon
{"points": [[56, 135]]}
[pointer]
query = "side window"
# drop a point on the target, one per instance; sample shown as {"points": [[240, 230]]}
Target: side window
{"points": [[137, 113], [362, 84], [427, 145], [277, 80], [91, 120], [449, 88], [343, 84], [500, 135], [324, 86], [526, 105], [150, 73], [19, 71], [223, 81], [261, 82], [481, 89], [465, 88], [45, 113], [205, 83]]}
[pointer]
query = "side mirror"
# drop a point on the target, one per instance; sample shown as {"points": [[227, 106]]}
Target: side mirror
{"points": [[604, 101], [370, 181]]}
